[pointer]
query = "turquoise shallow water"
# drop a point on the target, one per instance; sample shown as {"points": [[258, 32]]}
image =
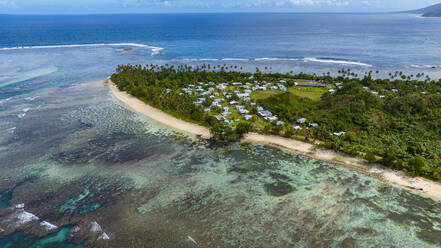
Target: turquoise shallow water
{"points": [[107, 177]]}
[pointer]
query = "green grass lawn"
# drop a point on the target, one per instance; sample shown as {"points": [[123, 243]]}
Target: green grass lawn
{"points": [[257, 95], [312, 93]]}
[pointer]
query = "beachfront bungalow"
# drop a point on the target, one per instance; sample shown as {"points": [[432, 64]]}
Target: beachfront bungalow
{"points": [[338, 134], [301, 120], [220, 117], [280, 123]]}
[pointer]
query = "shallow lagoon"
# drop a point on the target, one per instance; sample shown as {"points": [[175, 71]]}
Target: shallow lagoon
{"points": [[80, 160]]}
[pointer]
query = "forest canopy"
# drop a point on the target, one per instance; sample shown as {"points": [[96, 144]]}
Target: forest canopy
{"points": [[393, 121]]}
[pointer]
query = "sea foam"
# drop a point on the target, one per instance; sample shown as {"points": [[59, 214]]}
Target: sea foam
{"points": [[334, 61], [48, 226]]}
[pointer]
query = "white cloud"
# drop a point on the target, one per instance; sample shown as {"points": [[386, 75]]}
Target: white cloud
{"points": [[7, 3]]}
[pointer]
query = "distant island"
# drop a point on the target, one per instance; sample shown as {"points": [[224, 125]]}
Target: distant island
{"points": [[393, 121], [431, 11]]}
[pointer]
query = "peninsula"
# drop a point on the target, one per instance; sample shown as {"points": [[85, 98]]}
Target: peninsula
{"points": [[388, 121], [430, 11]]}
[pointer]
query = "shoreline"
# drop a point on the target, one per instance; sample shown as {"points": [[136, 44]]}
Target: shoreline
{"points": [[419, 185]]}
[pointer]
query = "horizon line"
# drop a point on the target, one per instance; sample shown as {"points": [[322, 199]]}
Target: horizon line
{"points": [[206, 12]]}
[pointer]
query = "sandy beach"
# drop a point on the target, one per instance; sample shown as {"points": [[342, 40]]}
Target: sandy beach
{"points": [[419, 185]]}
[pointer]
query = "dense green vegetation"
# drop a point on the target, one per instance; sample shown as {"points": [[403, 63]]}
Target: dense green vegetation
{"points": [[393, 121]]}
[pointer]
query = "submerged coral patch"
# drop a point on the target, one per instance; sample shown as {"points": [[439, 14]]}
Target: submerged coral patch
{"points": [[278, 188]]}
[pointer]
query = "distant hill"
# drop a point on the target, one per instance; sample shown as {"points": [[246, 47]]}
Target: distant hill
{"points": [[431, 11]]}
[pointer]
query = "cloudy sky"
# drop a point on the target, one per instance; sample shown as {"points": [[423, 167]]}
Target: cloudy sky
{"points": [[155, 6]]}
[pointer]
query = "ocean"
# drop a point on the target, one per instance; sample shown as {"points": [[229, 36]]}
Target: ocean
{"points": [[80, 169]]}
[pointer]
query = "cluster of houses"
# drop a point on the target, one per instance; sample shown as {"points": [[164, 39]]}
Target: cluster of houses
{"points": [[221, 99], [302, 121], [220, 95]]}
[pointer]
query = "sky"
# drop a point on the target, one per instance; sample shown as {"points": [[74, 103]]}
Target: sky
{"points": [[172, 6]]}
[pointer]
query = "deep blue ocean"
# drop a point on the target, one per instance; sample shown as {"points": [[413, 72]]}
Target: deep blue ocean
{"points": [[375, 39], [80, 169]]}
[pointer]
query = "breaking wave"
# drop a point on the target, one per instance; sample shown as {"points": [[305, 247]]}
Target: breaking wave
{"points": [[155, 50], [425, 66], [336, 61], [308, 59]]}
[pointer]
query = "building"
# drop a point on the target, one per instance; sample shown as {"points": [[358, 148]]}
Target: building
{"points": [[301, 120], [338, 133], [271, 118], [313, 84], [244, 111], [297, 127], [265, 113], [221, 87], [243, 95]]}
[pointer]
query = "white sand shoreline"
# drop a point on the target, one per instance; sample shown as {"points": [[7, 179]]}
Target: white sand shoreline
{"points": [[420, 185]]}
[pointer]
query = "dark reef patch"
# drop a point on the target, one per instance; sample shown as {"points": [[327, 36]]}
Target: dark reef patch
{"points": [[278, 188]]}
